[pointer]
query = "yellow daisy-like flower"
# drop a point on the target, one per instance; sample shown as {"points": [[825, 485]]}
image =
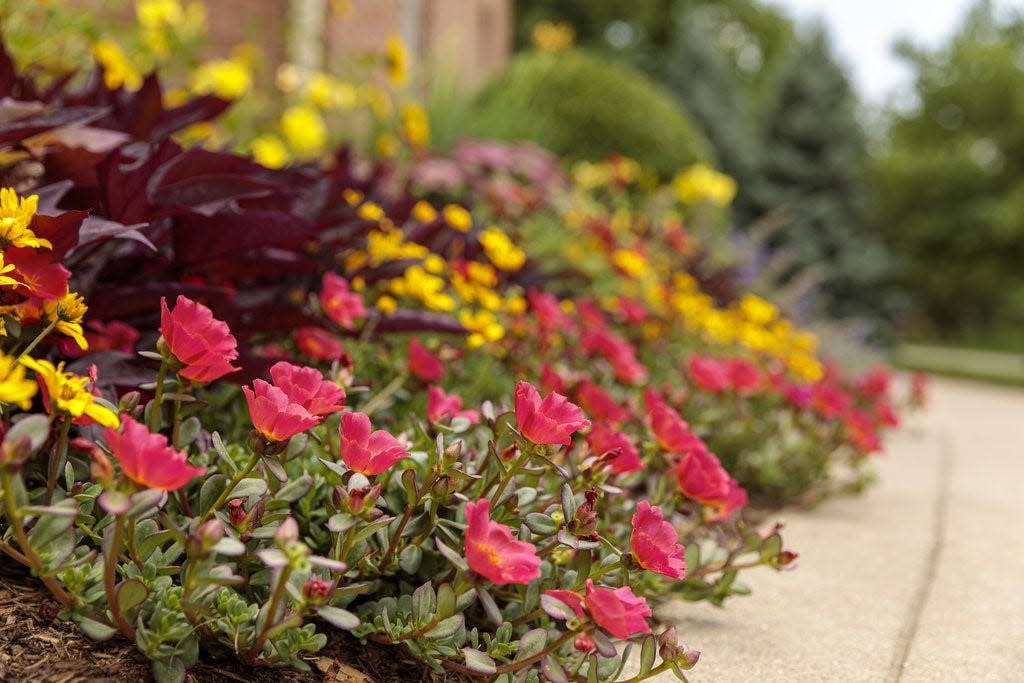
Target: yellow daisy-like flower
{"points": [[15, 216], [501, 251], [396, 57], [67, 312], [14, 386], [270, 151], [227, 78], [6, 280], [117, 70], [68, 392], [457, 217], [304, 129]]}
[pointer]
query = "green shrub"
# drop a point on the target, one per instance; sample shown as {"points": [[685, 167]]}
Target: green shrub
{"points": [[577, 104]]}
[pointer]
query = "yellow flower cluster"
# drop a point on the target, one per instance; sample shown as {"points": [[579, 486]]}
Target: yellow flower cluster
{"points": [[700, 183], [553, 36], [500, 249], [227, 78], [118, 72]]}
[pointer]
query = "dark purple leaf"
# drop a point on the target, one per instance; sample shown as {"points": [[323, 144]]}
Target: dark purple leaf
{"points": [[419, 321], [195, 110], [16, 131], [202, 238]]}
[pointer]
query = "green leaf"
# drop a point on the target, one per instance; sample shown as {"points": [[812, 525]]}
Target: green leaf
{"points": [[771, 547], [131, 593], [94, 629], [275, 468], [296, 489], [568, 502], [211, 490], [552, 670], [457, 560], [479, 662], [337, 617], [648, 651], [531, 643], [188, 431], [446, 601], [168, 670], [424, 603], [146, 503], [489, 606], [410, 558], [222, 453], [370, 528], [446, 628], [542, 524], [55, 522], [248, 487]]}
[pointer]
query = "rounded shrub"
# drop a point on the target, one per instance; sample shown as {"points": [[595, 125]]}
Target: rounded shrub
{"points": [[583, 106]]}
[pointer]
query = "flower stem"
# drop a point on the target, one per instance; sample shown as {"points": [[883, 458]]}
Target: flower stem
{"points": [[158, 397], [381, 397], [508, 475], [226, 493], [109, 576], [35, 342], [56, 458], [32, 560], [275, 602]]}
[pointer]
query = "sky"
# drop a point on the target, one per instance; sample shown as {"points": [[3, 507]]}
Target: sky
{"points": [[864, 31]]}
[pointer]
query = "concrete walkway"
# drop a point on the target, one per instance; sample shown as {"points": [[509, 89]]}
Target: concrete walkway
{"points": [[920, 579]]}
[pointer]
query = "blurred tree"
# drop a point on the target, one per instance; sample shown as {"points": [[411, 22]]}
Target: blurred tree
{"points": [[951, 182], [813, 167]]}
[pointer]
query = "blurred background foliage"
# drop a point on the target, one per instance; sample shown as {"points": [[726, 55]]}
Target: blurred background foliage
{"points": [[908, 220]]}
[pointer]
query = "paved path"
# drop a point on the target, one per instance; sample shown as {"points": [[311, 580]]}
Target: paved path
{"points": [[919, 580]]}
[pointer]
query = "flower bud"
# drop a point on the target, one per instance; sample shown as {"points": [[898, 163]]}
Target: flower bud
{"points": [[236, 512], [316, 591], [202, 540], [668, 642], [129, 402], [100, 468], [287, 533], [360, 499], [583, 642], [584, 523]]}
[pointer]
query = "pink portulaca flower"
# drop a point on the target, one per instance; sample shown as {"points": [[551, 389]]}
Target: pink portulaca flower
{"points": [[273, 414], [861, 432], [599, 404], [550, 380], [424, 364], [701, 477], [551, 421], [364, 450], [655, 543], [743, 375], [317, 343], [493, 553], [615, 448], [146, 459], [307, 387], [671, 431], [735, 499], [618, 611], [341, 305], [203, 344], [440, 404], [709, 374]]}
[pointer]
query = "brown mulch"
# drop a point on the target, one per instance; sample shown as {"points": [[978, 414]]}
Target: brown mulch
{"points": [[37, 647]]}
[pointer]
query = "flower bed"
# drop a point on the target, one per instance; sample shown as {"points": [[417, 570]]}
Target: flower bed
{"points": [[244, 406]]}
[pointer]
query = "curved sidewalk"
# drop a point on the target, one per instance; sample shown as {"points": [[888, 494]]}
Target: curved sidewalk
{"points": [[917, 580]]}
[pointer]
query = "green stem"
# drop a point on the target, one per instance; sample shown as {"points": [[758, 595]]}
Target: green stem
{"points": [[508, 475], [32, 560], [704, 571], [158, 397], [226, 493], [35, 342], [382, 396], [275, 602], [109, 577], [53, 469], [175, 430]]}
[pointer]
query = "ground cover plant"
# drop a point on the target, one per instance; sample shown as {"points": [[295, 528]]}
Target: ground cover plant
{"points": [[244, 405]]}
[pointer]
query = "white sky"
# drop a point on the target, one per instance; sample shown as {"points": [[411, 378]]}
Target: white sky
{"points": [[864, 31]]}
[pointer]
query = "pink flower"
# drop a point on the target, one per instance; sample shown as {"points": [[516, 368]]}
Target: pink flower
{"points": [[599, 404], [273, 414], [318, 344], [670, 430], [548, 311], [550, 380], [701, 477], [422, 363], [708, 373], [147, 460], [618, 611], [203, 344], [614, 447], [885, 415], [655, 543], [828, 400], [440, 404], [308, 388], [341, 305], [493, 553], [735, 499], [618, 352], [875, 384], [743, 375], [37, 271], [365, 451], [861, 432], [551, 421], [571, 598]]}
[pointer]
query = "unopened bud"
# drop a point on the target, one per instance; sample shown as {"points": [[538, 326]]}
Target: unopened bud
{"points": [[129, 402], [202, 540], [583, 642], [362, 498], [316, 591], [287, 533], [236, 512]]}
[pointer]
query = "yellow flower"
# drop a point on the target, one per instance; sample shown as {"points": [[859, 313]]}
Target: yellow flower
{"points": [[344, 96], [68, 312], [415, 125], [319, 90], [68, 392], [156, 14], [457, 217], [515, 304], [15, 216], [388, 245], [117, 70], [304, 129], [501, 251], [701, 182], [14, 387], [553, 36], [630, 262], [370, 212], [6, 280], [387, 145], [481, 273], [270, 151], [424, 212], [396, 58], [758, 310], [387, 304], [352, 197], [227, 78]]}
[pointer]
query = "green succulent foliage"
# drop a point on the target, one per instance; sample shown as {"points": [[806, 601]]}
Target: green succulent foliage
{"points": [[579, 104], [951, 182]]}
